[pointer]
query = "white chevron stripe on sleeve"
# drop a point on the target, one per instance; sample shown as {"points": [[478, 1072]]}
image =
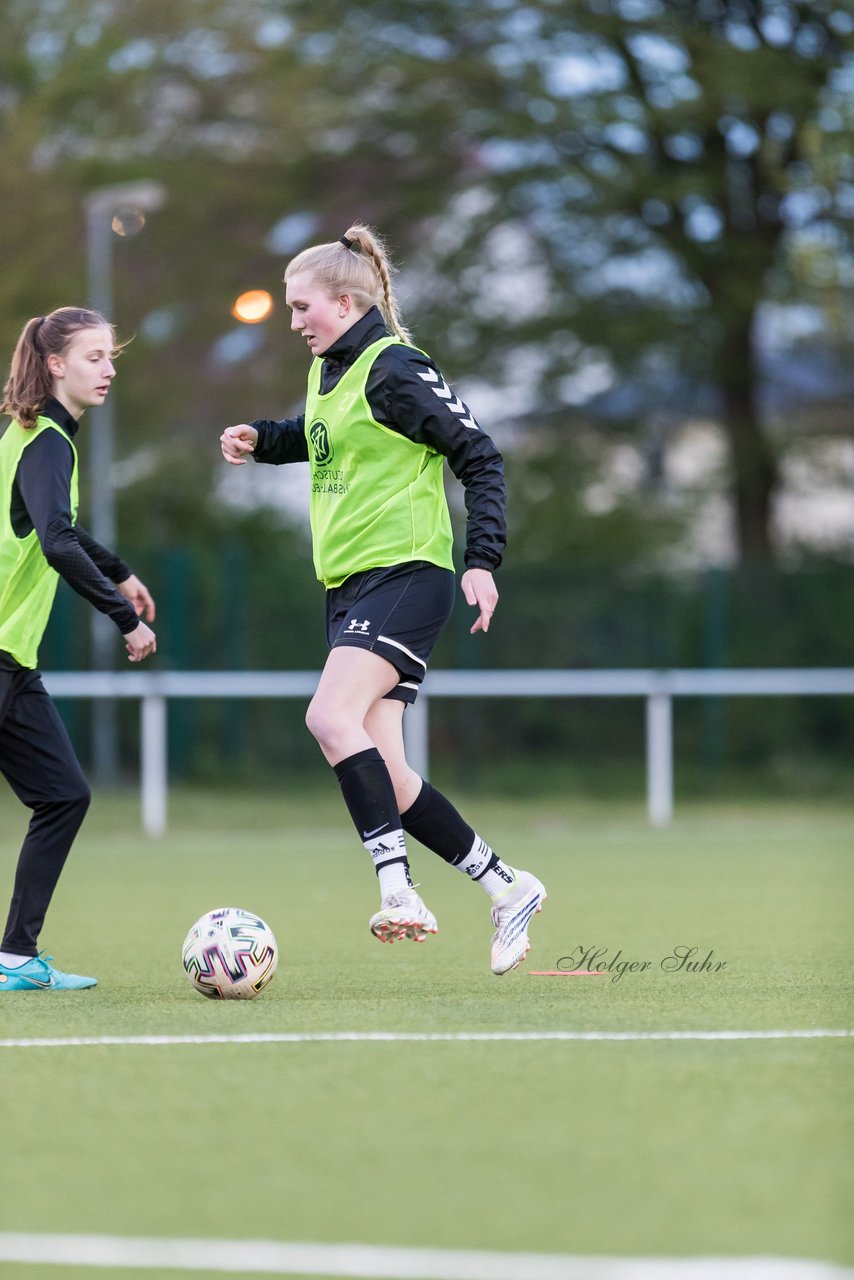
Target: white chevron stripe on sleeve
{"points": [[455, 404]]}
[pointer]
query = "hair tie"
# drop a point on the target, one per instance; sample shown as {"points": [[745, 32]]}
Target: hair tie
{"points": [[348, 244], [39, 325]]}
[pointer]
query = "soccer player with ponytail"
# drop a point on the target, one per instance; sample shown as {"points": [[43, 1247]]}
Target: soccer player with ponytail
{"points": [[62, 365], [379, 422]]}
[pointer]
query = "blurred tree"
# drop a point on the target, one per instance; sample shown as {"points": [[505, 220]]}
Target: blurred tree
{"points": [[265, 137], [650, 175], [593, 198]]}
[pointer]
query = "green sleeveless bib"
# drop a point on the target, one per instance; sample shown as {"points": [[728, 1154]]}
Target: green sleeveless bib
{"points": [[377, 499], [27, 582]]}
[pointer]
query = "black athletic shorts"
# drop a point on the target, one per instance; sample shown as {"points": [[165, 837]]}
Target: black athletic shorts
{"points": [[396, 612]]}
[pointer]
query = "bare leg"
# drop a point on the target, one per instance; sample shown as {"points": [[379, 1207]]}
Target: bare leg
{"points": [[351, 683], [351, 686], [384, 726]]}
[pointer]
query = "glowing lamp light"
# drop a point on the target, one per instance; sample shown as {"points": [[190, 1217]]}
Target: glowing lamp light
{"points": [[253, 306]]}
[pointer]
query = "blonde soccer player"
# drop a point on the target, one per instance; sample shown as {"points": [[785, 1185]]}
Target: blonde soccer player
{"points": [[379, 422]]}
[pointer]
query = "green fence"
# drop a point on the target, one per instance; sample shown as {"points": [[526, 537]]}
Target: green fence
{"points": [[228, 608]]}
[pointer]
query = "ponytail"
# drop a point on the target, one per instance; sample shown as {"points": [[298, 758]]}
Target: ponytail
{"points": [[357, 264], [30, 383]]}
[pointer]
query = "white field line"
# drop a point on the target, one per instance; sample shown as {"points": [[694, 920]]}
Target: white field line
{"points": [[379, 1262], [403, 1037]]}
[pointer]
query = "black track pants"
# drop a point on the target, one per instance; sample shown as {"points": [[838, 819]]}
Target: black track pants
{"points": [[38, 761]]}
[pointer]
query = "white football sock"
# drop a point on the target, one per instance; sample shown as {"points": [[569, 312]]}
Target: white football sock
{"points": [[393, 878], [475, 862], [487, 869], [498, 880], [388, 853], [11, 961]]}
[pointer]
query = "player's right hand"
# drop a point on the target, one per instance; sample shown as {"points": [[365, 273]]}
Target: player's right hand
{"points": [[237, 441], [140, 642]]}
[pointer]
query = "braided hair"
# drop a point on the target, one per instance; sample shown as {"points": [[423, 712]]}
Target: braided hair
{"points": [[357, 264]]}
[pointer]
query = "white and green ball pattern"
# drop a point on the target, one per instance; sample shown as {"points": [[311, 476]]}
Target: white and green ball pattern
{"points": [[230, 954]]}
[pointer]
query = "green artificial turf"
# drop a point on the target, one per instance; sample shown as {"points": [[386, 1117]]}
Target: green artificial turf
{"points": [[677, 1147]]}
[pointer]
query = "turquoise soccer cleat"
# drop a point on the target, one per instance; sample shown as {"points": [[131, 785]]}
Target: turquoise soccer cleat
{"points": [[38, 975]]}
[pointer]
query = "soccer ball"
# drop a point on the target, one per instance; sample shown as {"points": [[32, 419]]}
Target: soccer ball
{"points": [[230, 954]]}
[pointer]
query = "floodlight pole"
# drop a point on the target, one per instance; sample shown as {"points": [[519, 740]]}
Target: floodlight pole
{"points": [[101, 205]]}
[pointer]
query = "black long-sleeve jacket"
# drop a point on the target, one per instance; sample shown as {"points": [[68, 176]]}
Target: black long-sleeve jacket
{"points": [[407, 393], [40, 500]]}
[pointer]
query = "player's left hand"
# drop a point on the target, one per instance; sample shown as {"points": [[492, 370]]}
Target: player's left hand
{"points": [[139, 595], [479, 589]]}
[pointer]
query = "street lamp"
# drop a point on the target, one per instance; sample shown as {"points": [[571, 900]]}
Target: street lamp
{"points": [[118, 210]]}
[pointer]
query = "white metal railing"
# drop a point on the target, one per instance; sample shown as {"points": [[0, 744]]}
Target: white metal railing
{"points": [[657, 688]]}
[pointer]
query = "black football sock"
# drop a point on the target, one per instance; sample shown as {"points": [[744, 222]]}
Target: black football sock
{"points": [[434, 821], [369, 796]]}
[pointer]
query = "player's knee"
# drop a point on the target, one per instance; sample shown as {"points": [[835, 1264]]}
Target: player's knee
{"points": [[83, 798], [68, 807], [332, 728], [321, 723], [77, 801]]}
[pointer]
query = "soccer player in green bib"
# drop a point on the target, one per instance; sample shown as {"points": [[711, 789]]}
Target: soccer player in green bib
{"points": [[379, 423], [62, 365]]}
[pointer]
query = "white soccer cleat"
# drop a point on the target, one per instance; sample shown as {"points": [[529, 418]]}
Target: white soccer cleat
{"points": [[511, 916], [403, 915]]}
